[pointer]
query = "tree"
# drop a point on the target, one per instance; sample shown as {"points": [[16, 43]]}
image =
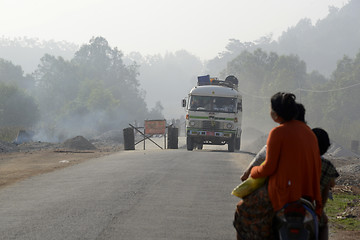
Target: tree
{"points": [[156, 112], [334, 105], [233, 49], [344, 106], [95, 91], [315, 79], [169, 78], [17, 108], [11, 74], [92, 96], [252, 69], [97, 60], [288, 74], [261, 75], [57, 84]]}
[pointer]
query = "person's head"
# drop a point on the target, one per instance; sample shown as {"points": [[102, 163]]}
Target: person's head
{"points": [[323, 139], [301, 112], [283, 107]]}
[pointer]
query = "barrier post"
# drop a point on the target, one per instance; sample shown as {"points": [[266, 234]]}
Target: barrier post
{"points": [[129, 139], [173, 134]]}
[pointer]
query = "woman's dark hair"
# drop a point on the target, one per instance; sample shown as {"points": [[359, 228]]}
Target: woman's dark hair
{"points": [[323, 140], [301, 112], [284, 105]]}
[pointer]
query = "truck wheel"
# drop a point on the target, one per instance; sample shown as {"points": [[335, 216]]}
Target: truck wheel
{"points": [[189, 144], [237, 144], [231, 145]]}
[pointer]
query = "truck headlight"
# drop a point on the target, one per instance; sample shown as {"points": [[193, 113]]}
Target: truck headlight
{"points": [[229, 125]]}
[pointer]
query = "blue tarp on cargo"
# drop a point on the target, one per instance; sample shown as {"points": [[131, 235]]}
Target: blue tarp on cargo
{"points": [[203, 80]]}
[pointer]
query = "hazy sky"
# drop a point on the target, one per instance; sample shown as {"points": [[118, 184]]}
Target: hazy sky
{"points": [[202, 27]]}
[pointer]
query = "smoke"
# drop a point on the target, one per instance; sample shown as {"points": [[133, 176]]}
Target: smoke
{"points": [[88, 125]]}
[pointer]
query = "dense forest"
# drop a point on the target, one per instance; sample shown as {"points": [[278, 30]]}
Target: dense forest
{"points": [[64, 90]]}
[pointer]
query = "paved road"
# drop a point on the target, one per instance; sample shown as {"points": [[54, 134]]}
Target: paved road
{"points": [[151, 194]]}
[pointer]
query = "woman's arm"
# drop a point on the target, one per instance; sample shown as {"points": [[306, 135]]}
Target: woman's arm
{"points": [[257, 161], [272, 156]]}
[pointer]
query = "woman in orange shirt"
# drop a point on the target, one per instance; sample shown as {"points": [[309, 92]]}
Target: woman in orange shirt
{"points": [[293, 169]]}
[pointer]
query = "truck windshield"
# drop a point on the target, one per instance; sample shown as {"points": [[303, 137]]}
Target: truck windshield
{"points": [[212, 104]]}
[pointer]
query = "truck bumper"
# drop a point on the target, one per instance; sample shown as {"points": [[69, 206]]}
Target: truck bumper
{"points": [[207, 133], [210, 137]]}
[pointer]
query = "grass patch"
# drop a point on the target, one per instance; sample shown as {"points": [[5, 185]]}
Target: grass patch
{"points": [[343, 211]]}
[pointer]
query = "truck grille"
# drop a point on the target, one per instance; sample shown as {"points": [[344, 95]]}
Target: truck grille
{"points": [[211, 125]]}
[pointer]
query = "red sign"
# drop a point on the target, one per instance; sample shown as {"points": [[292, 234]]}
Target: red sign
{"points": [[155, 126]]}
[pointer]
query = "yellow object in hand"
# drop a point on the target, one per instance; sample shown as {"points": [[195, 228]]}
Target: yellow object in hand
{"points": [[248, 186]]}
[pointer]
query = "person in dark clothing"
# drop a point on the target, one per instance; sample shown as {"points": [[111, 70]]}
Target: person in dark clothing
{"points": [[327, 180]]}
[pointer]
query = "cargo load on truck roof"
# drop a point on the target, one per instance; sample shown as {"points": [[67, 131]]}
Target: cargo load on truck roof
{"points": [[230, 81]]}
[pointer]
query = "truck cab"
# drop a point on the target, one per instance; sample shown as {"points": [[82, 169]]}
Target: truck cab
{"points": [[214, 113]]}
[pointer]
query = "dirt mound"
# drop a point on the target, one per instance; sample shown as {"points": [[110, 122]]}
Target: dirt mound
{"points": [[79, 143]]}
